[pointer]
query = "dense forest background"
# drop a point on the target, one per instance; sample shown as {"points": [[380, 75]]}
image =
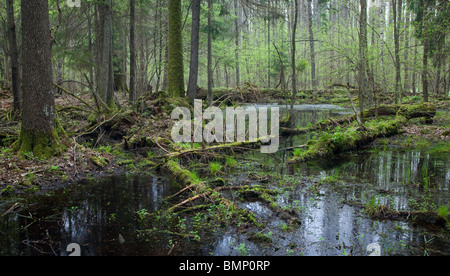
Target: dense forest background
{"points": [[250, 41]]}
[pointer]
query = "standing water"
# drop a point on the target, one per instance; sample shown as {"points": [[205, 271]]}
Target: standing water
{"points": [[122, 215]]}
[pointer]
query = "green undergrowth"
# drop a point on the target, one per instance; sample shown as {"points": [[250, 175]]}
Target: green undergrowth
{"points": [[442, 147]]}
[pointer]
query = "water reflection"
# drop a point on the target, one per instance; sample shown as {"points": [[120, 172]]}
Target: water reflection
{"points": [[93, 215], [401, 174]]}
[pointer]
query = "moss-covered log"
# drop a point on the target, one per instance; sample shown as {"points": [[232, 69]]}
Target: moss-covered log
{"points": [[385, 213], [181, 174], [221, 147], [408, 111], [426, 110], [349, 139], [202, 190]]}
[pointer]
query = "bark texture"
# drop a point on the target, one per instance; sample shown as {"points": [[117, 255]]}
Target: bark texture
{"points": [[38, 134], [175, 82]]}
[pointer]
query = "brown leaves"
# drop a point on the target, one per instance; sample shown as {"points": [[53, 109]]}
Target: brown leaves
{"points": [[427, 131], [27, 172]]}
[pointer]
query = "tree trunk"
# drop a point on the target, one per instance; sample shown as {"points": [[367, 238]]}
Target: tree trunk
{"points": [[407, 51], [38, 134], [132, 92], [311, 46], [414, 72], [425, 69], [362, 56], [440, 58], [158, 45], [238, 41], [15, 74], [210, 72], [268, 44], [90, 46], [195, 37], [382, 37], [105, 82], [166, 67], [293, 58], [175, 81], [397, 20], [438, 72], [426, 49], [110, 101]]}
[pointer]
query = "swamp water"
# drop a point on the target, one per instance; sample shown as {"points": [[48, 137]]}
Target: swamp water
{"points": [[121, 215]]}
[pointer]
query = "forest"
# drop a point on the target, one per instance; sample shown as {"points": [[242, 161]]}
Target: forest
{"points": [[354, 95]]}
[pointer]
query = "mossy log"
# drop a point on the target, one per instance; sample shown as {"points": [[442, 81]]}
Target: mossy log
{"points": [[201, 190], [350, 139], [383, 212], [181, 174], [408, 111], [267, 195], [421, 217], [230, 146], [426, 110]]}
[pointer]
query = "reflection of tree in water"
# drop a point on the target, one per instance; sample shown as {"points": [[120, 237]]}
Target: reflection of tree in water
{"points": [[109, 211], [399, 172], [90, 214]]}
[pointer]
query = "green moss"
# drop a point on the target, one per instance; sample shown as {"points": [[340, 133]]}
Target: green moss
{"points": [[131, 167], [99, 161], [260, 238], [441, 148], [215, 168], [415, 110], [219, 181], [125, 162], [8, 190], [146, 163], [343, 140], [250, 217], [180, 173], [175, 82], [443, 211], [42, 145], [231, 162]]}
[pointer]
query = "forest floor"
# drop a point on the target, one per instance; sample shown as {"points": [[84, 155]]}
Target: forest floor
{"points": [[128, 141]]}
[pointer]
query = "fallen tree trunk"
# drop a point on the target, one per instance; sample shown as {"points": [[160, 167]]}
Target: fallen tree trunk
{"points": [[349, 139], [408, 111], [229, 146], [181, 174], [385, 213]]}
